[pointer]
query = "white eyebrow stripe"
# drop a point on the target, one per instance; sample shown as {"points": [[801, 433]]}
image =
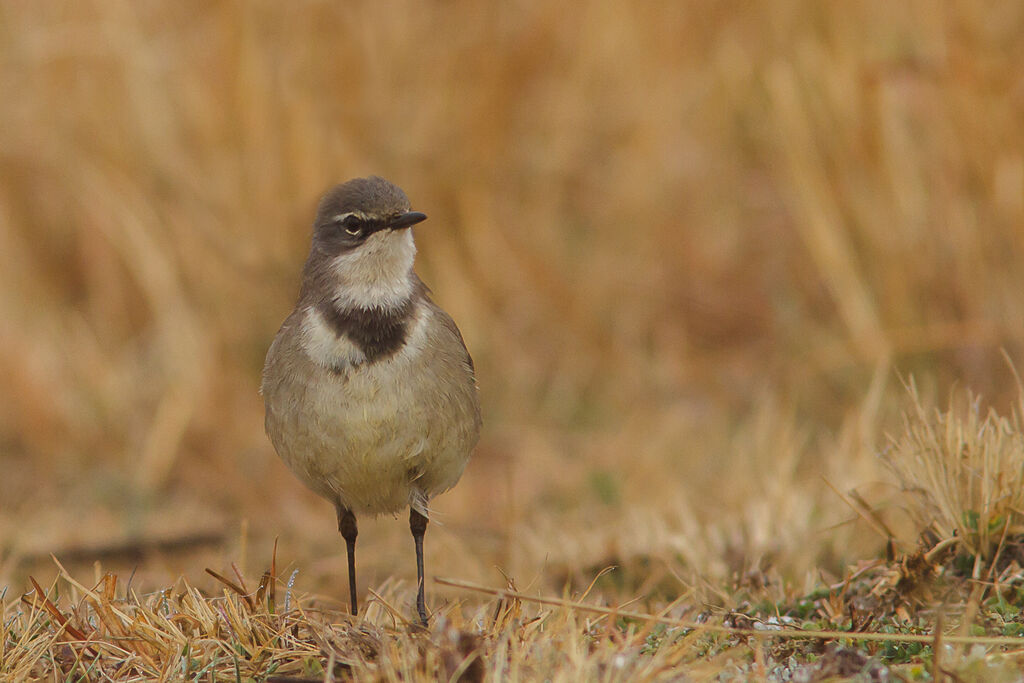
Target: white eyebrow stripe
{"points": [[343, 216]]}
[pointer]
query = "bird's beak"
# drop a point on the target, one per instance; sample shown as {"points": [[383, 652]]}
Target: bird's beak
{"points": [[407, 220]]}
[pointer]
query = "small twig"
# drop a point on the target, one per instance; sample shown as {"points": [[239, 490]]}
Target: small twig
{"points": [[939, 547], [971, 608], [854, 576], [775, 633], [999, 550], [864, 513]]}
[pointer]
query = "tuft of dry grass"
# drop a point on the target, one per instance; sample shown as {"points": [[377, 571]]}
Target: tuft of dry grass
{"points": [[962, 470]]}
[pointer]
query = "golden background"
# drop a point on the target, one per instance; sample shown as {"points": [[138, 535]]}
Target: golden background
{"points": [[693, 247]]}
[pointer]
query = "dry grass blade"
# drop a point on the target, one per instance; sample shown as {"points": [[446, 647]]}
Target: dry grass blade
{"points": [[394, 612], [241, 592], [65, 624], [698, 626], [272, 579], [858, 505], [938, 675], [261, 590]]}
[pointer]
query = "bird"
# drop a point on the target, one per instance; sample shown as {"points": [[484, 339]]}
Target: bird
{"points": [[371, 396]]}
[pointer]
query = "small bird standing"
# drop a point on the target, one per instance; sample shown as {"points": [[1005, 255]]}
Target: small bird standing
{"points": [[370, 392]]}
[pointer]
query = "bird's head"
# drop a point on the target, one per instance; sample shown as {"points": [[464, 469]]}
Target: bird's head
{"points": [[363, 214], [362, 245]]}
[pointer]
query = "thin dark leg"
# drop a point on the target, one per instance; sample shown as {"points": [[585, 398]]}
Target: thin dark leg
{"points": [[418, 525], [347, 527]]}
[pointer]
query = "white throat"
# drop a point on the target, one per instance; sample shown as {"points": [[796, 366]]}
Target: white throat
{"points": [[377, 274]]}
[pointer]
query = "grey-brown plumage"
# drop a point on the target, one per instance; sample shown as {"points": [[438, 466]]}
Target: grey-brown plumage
{"points": [[370, 392]]}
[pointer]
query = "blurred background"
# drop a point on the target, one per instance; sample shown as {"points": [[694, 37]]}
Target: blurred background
{"points": [[696, 250]]}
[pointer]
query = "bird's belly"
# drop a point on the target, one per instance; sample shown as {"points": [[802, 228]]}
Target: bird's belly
{"points": [[374, 441]]}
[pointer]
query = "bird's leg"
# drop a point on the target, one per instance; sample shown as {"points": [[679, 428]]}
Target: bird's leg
{"points": [[347, 527], [418, 525]]}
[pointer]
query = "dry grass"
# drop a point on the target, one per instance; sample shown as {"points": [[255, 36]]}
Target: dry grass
{"points": [[691, 246], [963, 473]]}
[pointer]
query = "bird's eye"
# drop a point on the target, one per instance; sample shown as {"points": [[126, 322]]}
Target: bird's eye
{"points": [[353, 225]]}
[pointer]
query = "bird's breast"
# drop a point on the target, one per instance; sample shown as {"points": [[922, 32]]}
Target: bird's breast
{"points": [[339, 338], [377, 332], [375, 435]]}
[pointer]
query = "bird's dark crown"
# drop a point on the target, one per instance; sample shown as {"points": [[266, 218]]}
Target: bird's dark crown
{"points": [[372, 197]]}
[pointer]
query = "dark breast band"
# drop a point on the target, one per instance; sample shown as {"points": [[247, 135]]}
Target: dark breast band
{"points": [[378, 332]]}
